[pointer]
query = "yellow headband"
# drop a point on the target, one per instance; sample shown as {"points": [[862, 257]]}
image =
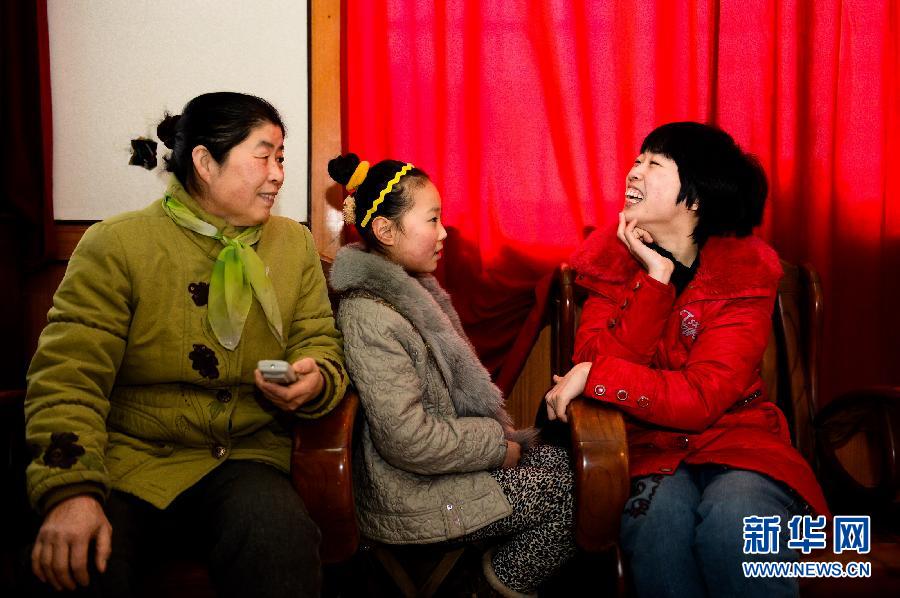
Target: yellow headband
{"points": [[385, 191], [358, 176]]}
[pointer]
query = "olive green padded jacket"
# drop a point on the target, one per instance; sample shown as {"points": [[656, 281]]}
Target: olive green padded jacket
{"points": [[129, 388]]}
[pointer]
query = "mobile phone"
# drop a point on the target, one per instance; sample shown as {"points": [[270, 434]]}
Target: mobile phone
{"points": [[277, 371]]}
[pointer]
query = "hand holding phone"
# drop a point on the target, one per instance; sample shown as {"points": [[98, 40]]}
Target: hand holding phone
{"points": [[277, 371], [289, 385]]}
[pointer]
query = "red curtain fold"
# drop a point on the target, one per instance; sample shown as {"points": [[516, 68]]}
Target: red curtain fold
{"points": [[527, 115], [42, 40], [26, 208], [26, 125]]}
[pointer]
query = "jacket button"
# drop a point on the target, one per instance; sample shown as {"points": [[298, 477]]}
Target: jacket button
{"points": [[682, 442], [622, 394], [643, 402], [223, 396], [219, 451], [637, 285], [599, 390], [611, 323], [624, 304], [449, 507]]}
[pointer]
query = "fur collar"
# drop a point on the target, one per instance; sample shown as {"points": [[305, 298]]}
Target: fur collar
{"points": [[729, 266], [423, 302]]}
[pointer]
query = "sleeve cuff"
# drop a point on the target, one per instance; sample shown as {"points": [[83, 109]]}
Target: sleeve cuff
{"points": [[334, 384], [502, 456], [58, 495]]}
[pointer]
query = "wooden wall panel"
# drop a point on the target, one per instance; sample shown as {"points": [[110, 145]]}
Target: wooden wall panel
{"points": [[67, 236], [534, 381], [325, 196], [39, 290]]}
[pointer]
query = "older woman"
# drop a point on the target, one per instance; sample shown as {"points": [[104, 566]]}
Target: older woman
{"points": [[673, 334], [149, 423]]}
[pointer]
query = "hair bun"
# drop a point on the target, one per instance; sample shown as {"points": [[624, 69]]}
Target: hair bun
{"points": [[340, 169], [167, 129], [349, 210]]}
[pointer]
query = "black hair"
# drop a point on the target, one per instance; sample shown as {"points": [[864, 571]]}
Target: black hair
{"points": [[396, 203], [218, 121], [727, 184]]}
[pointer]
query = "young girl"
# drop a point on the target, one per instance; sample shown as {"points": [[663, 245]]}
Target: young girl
{"points": [[439, 458], [673, 333]]}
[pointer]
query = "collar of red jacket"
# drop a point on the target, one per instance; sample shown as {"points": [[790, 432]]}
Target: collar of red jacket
{"points": [[729, 266]]}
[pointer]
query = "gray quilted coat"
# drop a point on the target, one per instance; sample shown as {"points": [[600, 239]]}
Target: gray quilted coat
{"points": [[434, 421]]}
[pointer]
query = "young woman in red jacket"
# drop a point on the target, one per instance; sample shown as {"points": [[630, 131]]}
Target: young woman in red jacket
{"points": [[673, 334]]}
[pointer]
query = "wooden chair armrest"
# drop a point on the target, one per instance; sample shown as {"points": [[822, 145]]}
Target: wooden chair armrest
{"points": [[600, 452], [320, 469], [868, 420]]}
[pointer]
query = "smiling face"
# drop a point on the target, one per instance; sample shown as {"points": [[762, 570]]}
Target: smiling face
{"points": [[651, 191], [243, 187], [417, 243]]}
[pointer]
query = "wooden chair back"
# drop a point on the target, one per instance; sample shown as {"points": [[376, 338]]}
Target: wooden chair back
{"points": [[790, 366], [320, 468]]}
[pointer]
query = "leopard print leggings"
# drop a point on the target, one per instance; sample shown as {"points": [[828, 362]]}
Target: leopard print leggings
{"points": [[539, 532]]}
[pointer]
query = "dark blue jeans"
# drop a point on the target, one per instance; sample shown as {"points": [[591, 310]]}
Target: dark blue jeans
{"points": [[244, 519], [683, 533]]}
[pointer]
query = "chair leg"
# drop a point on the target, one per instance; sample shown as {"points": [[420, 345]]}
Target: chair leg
{"points": [[396, 572], [621, 579], [440, 572]]}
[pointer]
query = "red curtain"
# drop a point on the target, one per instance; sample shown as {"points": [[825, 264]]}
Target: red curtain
{"points": [[26, 125], [527, 115], [26, 207]]}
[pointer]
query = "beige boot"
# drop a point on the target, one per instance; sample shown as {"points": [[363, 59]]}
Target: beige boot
{"points": [[488, 568]]}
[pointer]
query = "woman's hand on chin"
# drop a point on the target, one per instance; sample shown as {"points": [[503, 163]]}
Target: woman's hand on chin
{"points": [[291, 396], [636, 240], [565, 389]]}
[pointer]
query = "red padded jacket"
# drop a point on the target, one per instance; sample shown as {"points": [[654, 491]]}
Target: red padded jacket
{"points": [[686, 370]]}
